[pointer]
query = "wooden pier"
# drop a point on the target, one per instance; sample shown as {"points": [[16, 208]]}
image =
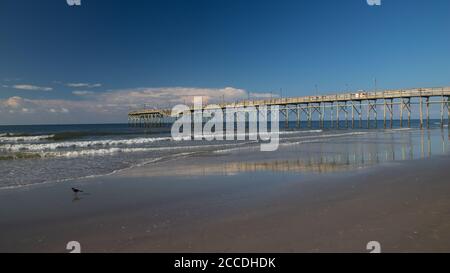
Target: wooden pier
{"points": [[347, 108]]}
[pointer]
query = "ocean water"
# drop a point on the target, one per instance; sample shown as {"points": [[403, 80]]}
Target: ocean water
{"points": [[38, 154]]}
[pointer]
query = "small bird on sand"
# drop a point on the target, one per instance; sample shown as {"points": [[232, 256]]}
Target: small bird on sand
{"points": [[76, 190]]}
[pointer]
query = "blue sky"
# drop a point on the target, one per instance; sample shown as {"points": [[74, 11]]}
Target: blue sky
{"points": [[104, 57]]}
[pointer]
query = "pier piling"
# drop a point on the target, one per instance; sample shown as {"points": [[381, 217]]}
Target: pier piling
{"points": [[421, 111], [428, 111]]}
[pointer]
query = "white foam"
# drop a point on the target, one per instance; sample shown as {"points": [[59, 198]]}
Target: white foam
{"points": [[7, 138], [331, 135], [79, 144], [105, 147], [117, 150], [37, 147], [233, 134], [311, 131]]}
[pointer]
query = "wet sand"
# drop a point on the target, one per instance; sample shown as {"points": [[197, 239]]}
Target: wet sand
{"points": [[403, 205]]}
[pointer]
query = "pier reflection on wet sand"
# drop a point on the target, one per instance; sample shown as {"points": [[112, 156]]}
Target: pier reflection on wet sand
{"points": [[325, 156]]}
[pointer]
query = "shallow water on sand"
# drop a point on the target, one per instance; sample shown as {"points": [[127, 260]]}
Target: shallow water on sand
{"points": [[324, 153]]}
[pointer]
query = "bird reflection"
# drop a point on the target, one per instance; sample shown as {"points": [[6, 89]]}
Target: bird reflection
{"points": [[76, 198]]}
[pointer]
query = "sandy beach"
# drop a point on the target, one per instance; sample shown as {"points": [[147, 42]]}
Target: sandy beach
{"points": [[205, 203]]}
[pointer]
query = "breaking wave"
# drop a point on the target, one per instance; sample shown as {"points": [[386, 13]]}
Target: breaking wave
{"points": [[112, 151], [28, 144], [79, 144], [8, 138]]}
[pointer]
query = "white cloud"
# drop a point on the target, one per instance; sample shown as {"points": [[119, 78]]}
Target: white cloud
{"points": [[84, 85], [111, 106], [30, 87], [13, 102], [82, 93], [170, 96]]}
